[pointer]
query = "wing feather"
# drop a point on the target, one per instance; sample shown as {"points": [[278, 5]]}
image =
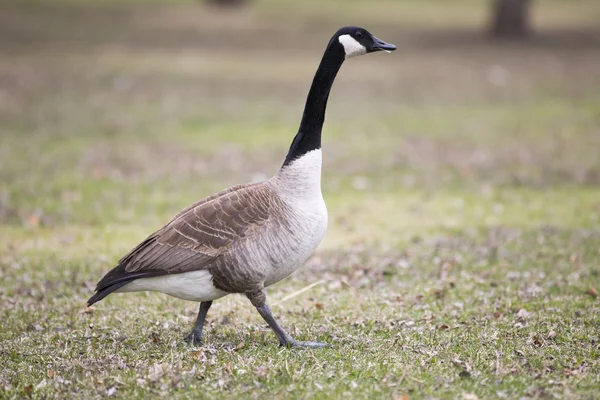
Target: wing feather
{"points": [[195, 237]]}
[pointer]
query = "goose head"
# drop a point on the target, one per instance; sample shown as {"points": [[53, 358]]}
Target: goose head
{"points": [[356, 41]]}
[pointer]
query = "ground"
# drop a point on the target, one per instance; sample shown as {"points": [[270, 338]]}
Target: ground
{"points": [[462, 258]]}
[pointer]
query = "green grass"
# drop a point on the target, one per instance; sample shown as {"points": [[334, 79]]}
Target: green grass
{"points": [[461, 176]]}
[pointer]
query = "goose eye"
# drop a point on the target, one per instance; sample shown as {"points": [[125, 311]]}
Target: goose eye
{"points": [[359, 34]]}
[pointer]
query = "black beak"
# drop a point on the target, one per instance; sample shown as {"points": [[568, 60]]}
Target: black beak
{"points": [[379, 45]]}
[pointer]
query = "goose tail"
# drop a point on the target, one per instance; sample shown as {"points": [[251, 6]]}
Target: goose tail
{"points": [[100, 294]]}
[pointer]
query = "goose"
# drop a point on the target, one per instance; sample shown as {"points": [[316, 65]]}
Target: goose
{"points": [[248, 237]]}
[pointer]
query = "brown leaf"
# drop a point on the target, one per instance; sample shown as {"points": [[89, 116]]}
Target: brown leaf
{"points": [[51, 374], [35, 219], [154, 337], [27, 389], [403, 397], [592, 291], [443, 327], [239, 346], [98, 173], [537, 342], [228, 367], [319, 306], [198, 354], [87, 310], [261, 371]]}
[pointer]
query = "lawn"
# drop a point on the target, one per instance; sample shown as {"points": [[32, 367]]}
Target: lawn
{"points": [[462, 176]]}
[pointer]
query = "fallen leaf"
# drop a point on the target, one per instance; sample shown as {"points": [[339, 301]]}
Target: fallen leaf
{"points": [[240, 346], [98, 173], [537, 342], [592, 291], [519, 352], [445, 270], [261, 371], [523, 313], [319, 306], [154, 337], [334, 285], [35, 219], [198, 354], [155, 372]]}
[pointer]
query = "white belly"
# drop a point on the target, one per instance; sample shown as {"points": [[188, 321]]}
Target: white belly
{"points": [[194, 286]]}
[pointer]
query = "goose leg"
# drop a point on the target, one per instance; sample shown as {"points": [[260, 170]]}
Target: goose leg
{"points": [[285, 339], [195, 336]]}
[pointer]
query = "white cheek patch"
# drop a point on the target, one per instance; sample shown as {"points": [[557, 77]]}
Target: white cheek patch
{"points": [[351, 46]]}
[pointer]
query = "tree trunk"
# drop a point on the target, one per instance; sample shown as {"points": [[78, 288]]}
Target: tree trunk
{"points": [[227, 3], [510, 18]]}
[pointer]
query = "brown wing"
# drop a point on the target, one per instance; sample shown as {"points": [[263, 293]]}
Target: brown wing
{"points": [[195, 237]]}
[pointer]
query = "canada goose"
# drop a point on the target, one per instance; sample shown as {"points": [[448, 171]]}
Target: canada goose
{"points": [[248, 237]]}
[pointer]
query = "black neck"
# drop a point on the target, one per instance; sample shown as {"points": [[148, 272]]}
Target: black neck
{"points": [[308, 137]]}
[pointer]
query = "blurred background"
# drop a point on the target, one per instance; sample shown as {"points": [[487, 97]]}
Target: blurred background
{"points": [[461, 175], [113, 113]]}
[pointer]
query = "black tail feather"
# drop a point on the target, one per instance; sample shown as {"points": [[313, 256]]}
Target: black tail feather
{"points": [[100, 294], [116, 279]]}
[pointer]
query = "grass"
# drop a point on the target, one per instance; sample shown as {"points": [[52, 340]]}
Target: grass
{"points": [[461, 175]]}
